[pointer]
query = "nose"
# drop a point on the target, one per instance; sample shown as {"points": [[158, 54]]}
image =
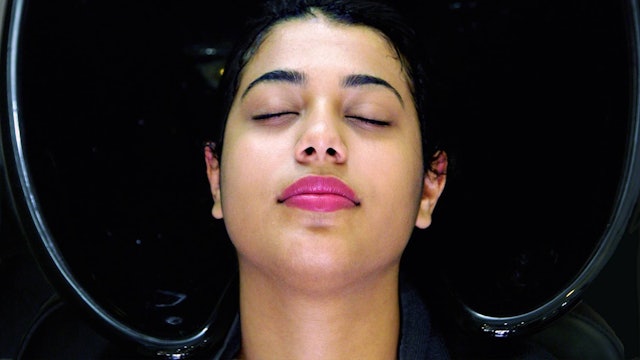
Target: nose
{"points": [[321, 141]]}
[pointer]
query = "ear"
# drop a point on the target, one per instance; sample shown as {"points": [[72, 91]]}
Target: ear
{"points": [[213, 174], [434, 180]]}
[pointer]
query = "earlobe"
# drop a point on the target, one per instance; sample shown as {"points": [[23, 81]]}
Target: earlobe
{"points": [[213, 174], [434, 180]]}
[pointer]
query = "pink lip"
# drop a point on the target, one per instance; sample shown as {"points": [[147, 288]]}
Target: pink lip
{"points": [[319, 193]]}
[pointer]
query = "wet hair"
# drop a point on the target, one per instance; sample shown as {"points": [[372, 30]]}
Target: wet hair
{"points": [[378, 15]]}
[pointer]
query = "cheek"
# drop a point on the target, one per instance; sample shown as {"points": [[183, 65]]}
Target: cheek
{"points": [[242, 197], [403, 175], [245, 170], [396, 165], [401, 188], [401, 203], [394, 176], [249, 169]]}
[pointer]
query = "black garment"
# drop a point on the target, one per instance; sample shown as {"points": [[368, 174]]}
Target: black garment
{"points": [[419, 339]]}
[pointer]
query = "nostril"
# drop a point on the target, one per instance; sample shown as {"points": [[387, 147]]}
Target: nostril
{"points": [[331, 151], [309, 150]]}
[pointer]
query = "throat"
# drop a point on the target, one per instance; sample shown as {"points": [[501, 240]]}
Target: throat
{"points": [[363, 324]]}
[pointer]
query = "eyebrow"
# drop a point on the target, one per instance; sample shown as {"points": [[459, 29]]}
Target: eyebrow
{"points": [[298, 78], [290, 76], [361, 79]]}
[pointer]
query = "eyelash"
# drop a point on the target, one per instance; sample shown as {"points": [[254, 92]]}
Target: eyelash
{"points": [[270, 116], [359, 118], [370, 121]]}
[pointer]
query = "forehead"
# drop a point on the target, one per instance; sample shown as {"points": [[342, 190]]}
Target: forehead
{"points": [[321, 46]]}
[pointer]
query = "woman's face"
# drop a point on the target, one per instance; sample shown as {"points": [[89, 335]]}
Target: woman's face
{"points": [[321, 177]]}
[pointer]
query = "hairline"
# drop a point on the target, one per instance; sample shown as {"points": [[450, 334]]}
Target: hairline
{"points": [[316, 12]]}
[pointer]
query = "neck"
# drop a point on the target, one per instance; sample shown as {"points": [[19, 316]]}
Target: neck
{"points": [[345, 322]]}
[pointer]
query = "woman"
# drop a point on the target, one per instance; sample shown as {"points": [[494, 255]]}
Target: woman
{"points": [[328, 164]]}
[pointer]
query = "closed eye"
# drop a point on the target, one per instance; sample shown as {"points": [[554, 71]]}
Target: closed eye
{"points": [[273, 115], [370, 121]]}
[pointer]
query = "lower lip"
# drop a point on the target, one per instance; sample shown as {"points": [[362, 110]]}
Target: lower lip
{"points": [[319, 202]]}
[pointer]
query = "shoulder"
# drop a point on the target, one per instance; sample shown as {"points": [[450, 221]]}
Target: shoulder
{"points": [[420, 338]]}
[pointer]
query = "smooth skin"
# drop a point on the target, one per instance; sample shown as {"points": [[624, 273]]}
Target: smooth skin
{"points": [[322, 284]]}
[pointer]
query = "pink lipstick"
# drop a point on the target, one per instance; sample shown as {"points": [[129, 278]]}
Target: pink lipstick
{"points": [[319, 193]]}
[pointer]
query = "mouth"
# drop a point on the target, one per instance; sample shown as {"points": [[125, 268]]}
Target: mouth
{"points": [[319, 193]]}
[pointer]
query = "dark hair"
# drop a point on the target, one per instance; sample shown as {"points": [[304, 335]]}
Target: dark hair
{"points": [[378, 15]]}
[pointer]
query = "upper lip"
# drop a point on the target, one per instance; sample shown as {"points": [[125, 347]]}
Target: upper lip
{"points": [[319, 185]]}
